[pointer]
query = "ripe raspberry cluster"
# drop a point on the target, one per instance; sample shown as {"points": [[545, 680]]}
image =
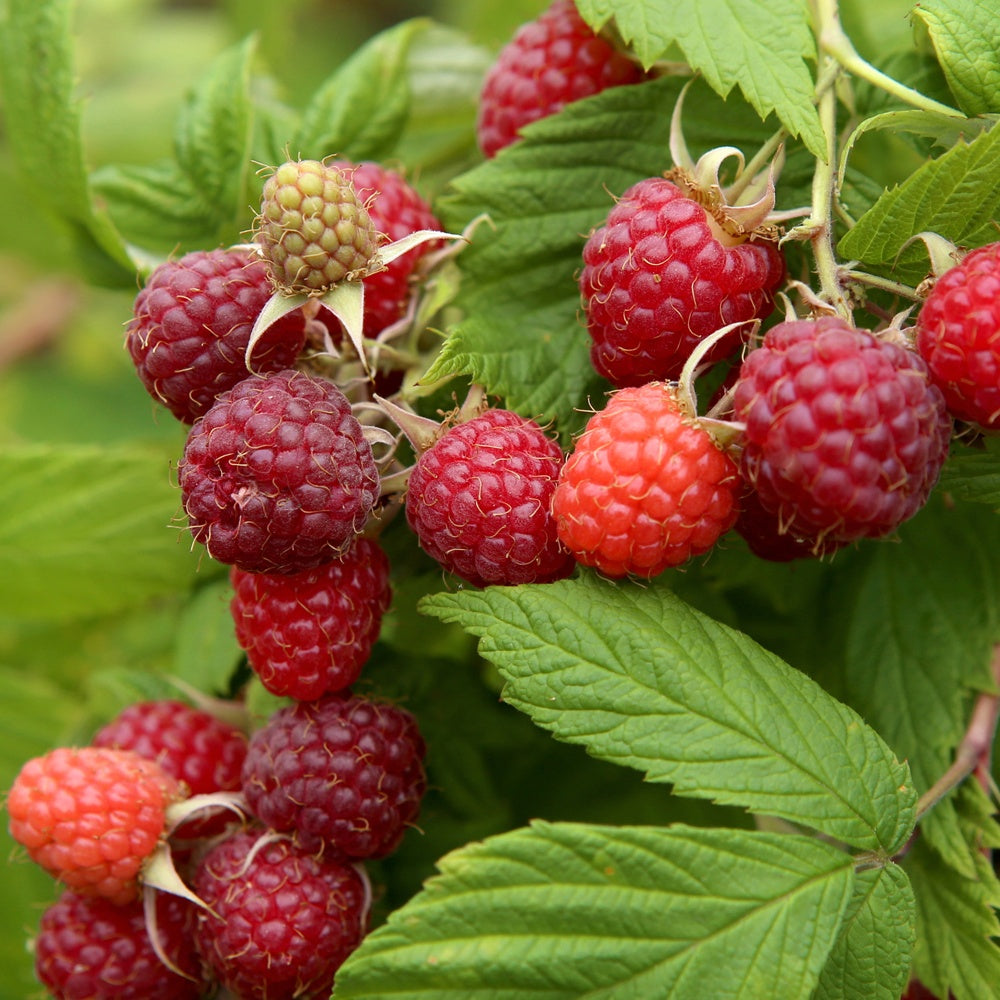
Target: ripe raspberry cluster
{"points": [[197, 857]]}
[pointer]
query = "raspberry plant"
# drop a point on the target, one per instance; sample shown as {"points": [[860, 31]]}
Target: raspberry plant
{"points": [[764, 771]]}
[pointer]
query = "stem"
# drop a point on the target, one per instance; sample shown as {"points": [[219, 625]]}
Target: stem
{"points": [[835, 43], [885, 284], [973, 753]]}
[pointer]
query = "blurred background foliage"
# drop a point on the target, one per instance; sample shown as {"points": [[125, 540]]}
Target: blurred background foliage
{"points": [[71, 658]]}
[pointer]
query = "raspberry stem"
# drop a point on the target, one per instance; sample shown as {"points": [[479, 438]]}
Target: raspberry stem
{"points": [[835, 43], [973, 753]]}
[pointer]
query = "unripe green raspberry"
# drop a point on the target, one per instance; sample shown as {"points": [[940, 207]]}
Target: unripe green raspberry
{"points": [[313, 229]]}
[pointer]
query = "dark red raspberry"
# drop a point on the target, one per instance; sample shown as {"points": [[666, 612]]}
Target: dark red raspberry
{"points": [[277, 476], [550, 62], [768, 539], [195, 747], [958, 335], [91, 817], [660, 275], [343, 774], [280, 921], [89, 948], [845, 436], [192, 324], [396, 210], [646, 486], [309, 634], [478, 500]]}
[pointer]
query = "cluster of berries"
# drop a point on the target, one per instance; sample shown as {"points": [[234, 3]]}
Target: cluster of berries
{"points": [[195, 857], [833, 433]]}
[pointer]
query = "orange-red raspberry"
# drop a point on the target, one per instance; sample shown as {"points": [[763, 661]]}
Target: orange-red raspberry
{"points": [[91, 816], [645, 488]]}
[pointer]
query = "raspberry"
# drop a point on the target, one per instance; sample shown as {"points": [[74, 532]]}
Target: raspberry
{"points": [[198, 749], [845, 436], [478, 500], [550, 62], [277, 476], [768, 539], [657, 279], [958, 335], [91, 816], [313, 228], [396, 210], [88, 947], [191, 327], [310, 633], [343, 773], [280, 921], [646, 487]]}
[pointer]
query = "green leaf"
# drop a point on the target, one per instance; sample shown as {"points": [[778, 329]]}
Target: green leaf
{"points": [[955, 195], [42, 120], [213, 133], [974, 474], [920, 619], [957, 927], [207, 653], [871, 956], [966, 38], [762, 47], [561, 911], [522, 336], [361, 110], [201, 197], [157, 206], [643, 680], [86, 531]]}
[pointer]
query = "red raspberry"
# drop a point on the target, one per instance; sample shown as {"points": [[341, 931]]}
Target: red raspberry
{"points": [[550, 62], [396, 210], [88, 947], [280, 921], [309, 634], [277, 476], [845, 436], [646, 487], [958, 335], [478, 500], [91, 817], [195, 747], [198, 749], [343, 773], [192, 324], [768, 539], [661, 275]]}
